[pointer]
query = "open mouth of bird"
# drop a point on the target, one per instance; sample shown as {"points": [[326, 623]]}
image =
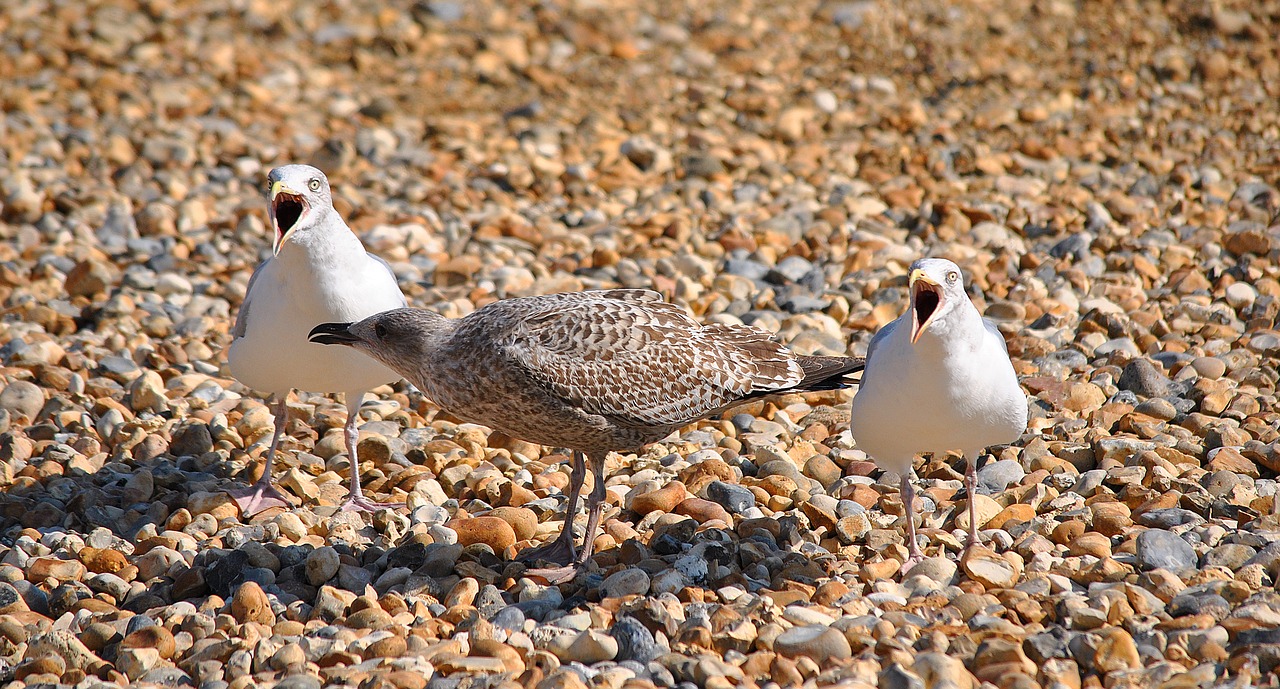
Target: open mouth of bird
{"points": [[926, 297], [286, 209]]}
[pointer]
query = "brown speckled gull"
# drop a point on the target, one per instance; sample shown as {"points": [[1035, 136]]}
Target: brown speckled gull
{"points": [[594, 371]]}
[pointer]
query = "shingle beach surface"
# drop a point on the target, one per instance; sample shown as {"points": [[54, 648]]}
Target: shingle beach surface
{"points": [[1104, 173]]}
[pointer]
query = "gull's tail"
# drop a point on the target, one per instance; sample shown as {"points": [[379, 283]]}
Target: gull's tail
{"points": [[827, 372], [820, 373]]}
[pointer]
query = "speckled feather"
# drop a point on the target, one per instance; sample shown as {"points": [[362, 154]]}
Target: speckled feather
{"points": [[594, 371]]}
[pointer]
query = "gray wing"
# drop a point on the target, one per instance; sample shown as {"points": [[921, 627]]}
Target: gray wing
{"points": [[629, 356], [991, 328], [242, 316], [880, 336], [390, 272]]}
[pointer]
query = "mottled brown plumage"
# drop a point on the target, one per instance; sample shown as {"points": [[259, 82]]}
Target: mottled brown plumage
{"points": [[596, 371]]}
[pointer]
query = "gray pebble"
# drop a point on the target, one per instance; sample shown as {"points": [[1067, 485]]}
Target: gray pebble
{"points": [[1158, 548]]}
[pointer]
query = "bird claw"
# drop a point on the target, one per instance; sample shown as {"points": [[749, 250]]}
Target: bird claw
{"points": [[359, 503], [556, 575], [558, 552], [257, 498], [911, 561]]}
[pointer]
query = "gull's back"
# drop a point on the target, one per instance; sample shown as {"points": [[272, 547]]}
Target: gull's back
{"points": [[600, 370]]}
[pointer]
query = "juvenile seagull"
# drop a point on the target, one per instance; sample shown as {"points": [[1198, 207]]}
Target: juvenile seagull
{"points": [[319, 272], [938, 378], [595, 372]]}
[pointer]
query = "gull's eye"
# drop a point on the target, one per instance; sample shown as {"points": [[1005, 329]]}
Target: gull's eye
{"points": [[952, 276], [380, 330], [314, 184]]}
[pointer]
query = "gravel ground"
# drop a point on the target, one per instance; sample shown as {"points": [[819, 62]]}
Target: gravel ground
{"points": [[1103, 172]]}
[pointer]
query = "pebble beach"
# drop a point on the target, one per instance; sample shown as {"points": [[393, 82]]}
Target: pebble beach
{"points": [[1105, 175]]}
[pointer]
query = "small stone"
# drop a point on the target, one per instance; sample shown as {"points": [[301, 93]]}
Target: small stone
{"points": [[146, 393], [463, 593], [664, 499], [89, 278], [939, 569], [941, 670], [136, 662], [984, 507], [1142, 378], [509, 657], [322, 565], [387, 647], [1116, 651], [522, 520], [103, 560], [153, 636], [42, 568], [819, 643], [897, 677], [1229, 555], [138, 488], [1094, 544], [1013, 514], [331, 603], [702, 510], [591, 647], [996, 476], [1157, 548], [372, 617], [191, 440], [63, 644], [821, 469], [731, 496], [635, 641], [22, 399], [288, 656], [1210, 367], [250, 604], [631, 581], [491, 531], [852, 528], [990, 571]]}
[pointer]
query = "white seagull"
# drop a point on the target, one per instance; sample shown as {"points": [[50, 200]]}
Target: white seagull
{"points": [[937, 379], [319, 272]]}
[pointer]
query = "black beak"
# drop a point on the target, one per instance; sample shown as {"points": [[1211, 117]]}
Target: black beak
{"points": [[332, 333]]}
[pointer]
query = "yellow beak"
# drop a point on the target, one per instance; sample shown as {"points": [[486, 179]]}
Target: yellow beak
{"points": [[279, 186]]}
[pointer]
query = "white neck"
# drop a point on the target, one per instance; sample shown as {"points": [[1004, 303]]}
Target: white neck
{"points": [[328, 242]]}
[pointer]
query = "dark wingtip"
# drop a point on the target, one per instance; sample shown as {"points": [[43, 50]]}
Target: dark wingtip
{"points": [[332, 333], [829, 372]]}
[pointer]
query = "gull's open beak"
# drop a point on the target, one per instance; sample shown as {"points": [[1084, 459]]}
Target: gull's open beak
{"points": [[332, 333], [926, 300], [287, 209]]}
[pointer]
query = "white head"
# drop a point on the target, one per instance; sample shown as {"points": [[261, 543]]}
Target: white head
{"points": [[300, 201], [937, 292]]}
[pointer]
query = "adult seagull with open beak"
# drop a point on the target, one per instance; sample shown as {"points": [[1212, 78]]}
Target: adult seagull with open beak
{"points": [[318, 272], [938, 378]]}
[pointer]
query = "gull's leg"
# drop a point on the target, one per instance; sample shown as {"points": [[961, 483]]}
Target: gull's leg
{"points": [[971, 487], [264, 495], [914, 556], [356, 501], [561, 551], [595, 508]]}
